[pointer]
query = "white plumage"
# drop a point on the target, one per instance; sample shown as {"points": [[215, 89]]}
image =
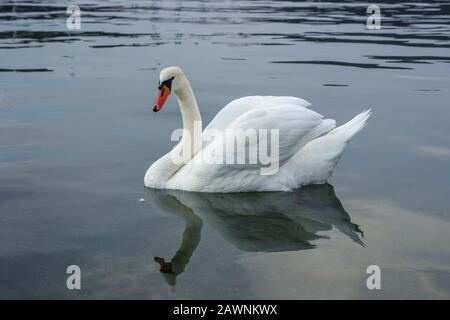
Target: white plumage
{"points": [[309, 145]]}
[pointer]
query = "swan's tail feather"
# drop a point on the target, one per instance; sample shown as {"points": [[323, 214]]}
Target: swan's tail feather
{"points": [[318, 158], [324, 127], [355, 125]]}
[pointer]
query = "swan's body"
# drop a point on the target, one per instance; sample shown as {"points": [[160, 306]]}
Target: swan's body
{"points": [[309, 145]]}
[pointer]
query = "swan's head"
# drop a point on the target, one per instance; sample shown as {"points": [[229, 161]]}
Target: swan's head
{"points": [[170, 79]]}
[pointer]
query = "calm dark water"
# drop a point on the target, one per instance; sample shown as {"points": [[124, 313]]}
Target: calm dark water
{"points": [[77, 135]]}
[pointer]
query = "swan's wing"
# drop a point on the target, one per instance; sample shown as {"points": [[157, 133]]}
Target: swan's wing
{"points": [[237, 107], [209, 171], [294, 125]]}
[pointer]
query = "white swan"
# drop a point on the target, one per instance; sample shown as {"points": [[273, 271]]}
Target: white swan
{"points": [[309, 146]]}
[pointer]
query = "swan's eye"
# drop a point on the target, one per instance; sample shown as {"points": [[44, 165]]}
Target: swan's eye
{"points": [[167, 83]]}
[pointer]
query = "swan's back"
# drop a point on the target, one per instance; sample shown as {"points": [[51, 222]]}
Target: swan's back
{"points": [[240, 106]]}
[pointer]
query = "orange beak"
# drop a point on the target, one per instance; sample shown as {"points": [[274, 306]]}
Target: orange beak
{"points": [[161, 98]]}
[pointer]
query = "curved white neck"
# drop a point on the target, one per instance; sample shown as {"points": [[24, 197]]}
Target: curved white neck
{"points": [[188, 105], [190, 143]]}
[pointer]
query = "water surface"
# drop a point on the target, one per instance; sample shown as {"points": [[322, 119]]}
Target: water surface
{"points": [[77, 135]]}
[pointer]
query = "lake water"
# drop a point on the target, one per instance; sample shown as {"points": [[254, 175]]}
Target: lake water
{"points": [[77, 134]]}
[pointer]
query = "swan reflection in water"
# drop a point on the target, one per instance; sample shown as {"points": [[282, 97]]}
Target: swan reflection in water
{"points": [[265, 221]]}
